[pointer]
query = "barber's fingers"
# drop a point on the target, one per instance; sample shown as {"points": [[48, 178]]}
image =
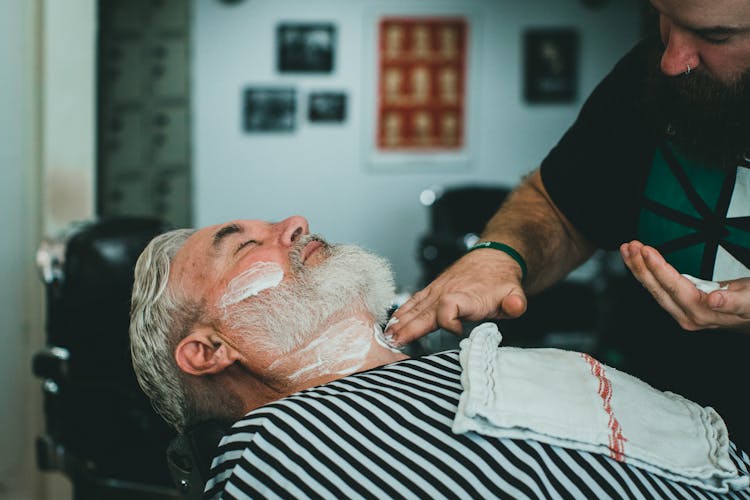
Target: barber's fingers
{"points": [[415, 318], [418, 302], [473, 288], [734, 300], [732, 306], [449, 310], [648, 267], [691, 308], [426, 311]]}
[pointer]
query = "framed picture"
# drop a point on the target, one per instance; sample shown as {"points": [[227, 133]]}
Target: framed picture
{"points": [[269, 109], [421, 86], [550, 65], [421, 83], [327, 107], [305, 47]]}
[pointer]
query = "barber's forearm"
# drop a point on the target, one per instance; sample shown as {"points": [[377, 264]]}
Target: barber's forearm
{"points": [[529, 221]]}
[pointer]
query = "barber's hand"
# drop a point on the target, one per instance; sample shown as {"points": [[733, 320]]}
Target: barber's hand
{"points": [[690, 307], [482, 284]]}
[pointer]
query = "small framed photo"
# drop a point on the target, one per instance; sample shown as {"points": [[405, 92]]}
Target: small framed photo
{"points": [[550, 65], [305, 47], [269, 109], [327, 107]]}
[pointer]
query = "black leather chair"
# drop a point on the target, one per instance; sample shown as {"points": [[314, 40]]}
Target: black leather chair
{"points": [[189, 456], [101, 430]]}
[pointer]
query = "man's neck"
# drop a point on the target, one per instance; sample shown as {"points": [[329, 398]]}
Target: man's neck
{"points": [[347, 344]]}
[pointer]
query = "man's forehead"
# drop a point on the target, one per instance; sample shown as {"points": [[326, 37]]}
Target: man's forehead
{"points": [[706, 14], [200, 244], [197, 256]]}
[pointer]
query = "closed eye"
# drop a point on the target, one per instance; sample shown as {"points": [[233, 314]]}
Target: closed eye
{"points": [[244, 244], [716, 40]]}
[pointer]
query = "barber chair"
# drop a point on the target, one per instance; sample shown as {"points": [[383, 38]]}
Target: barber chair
{"points": [[100, 429], [566, 315], [189, 456]]}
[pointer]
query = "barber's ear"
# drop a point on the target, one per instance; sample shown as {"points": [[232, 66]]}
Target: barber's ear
{"points": [[204, 352]]}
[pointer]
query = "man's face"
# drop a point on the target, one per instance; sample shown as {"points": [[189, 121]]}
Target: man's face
{"points": [[269, 288], [215, 258], [712, 37], [708, 108], [283, 319]]}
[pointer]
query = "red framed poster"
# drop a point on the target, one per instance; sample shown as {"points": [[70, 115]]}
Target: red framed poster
{"points": [[421, 83]]}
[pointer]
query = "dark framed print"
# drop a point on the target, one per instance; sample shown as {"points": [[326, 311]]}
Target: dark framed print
{"points": [[550, 65], [327, 107], [305, 47], [269, 109]]}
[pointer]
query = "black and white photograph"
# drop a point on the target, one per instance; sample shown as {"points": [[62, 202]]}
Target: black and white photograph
{"points": [[550, 65], [305, 47], [269, 109], [327, 107]]}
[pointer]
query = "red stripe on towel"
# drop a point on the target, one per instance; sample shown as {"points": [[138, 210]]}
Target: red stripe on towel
{"points": [[616, 439]]}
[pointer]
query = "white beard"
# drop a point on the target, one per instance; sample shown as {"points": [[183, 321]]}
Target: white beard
{"points": [[283, 318]]}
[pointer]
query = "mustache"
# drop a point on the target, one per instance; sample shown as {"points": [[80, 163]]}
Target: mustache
{"points": [[295, 255]]}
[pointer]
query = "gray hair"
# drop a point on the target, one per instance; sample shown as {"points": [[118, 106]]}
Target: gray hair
{"points": [[159, 319]]}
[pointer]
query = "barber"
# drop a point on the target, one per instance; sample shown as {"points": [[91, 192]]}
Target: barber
{"points": [[656, 165]]}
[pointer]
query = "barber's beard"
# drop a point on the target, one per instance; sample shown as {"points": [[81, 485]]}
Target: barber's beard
{"points": [[283, 318], [710, 119]]}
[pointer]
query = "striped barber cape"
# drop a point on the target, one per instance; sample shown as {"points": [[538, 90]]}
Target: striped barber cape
{"points": [[386, 433]]}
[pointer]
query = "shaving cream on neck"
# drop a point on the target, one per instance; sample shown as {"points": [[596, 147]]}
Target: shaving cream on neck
{"points": [[384, 340], [341, 350]]}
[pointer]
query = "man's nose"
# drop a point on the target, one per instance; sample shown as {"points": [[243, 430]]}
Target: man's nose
{"points": [[679, 54], [291, 228]]}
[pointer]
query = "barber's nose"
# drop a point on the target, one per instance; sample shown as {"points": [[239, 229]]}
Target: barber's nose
{"points": [[291, 228], [679, 50]]}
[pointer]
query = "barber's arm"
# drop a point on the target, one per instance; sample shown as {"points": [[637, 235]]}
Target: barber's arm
{"points": [[486, 283], [690, 307]]}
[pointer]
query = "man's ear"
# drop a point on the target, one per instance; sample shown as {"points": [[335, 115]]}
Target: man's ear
{"points": [[204, 352]]}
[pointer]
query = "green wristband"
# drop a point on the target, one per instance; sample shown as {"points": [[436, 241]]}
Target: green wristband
{"points": [[503, 248]]}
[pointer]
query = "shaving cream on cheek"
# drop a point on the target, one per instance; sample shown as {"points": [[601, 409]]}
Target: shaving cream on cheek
{"points": [[258, 277]]}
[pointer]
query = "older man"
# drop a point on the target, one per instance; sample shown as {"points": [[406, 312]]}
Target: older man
{"points": [[270, 321], [233, 316]]}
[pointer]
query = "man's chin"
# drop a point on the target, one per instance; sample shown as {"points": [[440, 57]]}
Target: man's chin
{"points": [[710, 118]]}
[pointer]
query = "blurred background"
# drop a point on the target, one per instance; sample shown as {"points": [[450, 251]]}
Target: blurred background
{"points": [[197, 112]]}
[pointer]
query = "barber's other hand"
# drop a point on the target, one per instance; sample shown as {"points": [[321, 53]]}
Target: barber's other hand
{"points": [[482, 284], [690, 307]]}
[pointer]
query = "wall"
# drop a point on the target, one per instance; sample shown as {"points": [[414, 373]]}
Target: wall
{"points": [[69, 48], [323, 172], [46, 181], [19, 298]]}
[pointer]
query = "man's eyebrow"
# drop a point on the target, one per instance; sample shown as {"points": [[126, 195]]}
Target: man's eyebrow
{"points": [[222, 233], [719, 30]]}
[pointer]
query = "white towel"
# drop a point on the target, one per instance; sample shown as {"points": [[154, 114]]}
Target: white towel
{"points": [[569, 399]]}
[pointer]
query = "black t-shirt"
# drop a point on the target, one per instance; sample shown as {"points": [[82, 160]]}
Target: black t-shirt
{"points": [[617, 177], [602, 160]]}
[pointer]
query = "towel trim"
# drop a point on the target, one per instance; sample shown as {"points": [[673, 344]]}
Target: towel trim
{"points": [[616, 439]]}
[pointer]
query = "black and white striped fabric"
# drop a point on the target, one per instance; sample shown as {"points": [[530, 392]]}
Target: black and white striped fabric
{"points": [[386, 433]]}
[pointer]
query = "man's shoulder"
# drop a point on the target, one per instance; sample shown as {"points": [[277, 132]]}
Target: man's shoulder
{"points": [[415, 374], [343, 413], [432, 368]]}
